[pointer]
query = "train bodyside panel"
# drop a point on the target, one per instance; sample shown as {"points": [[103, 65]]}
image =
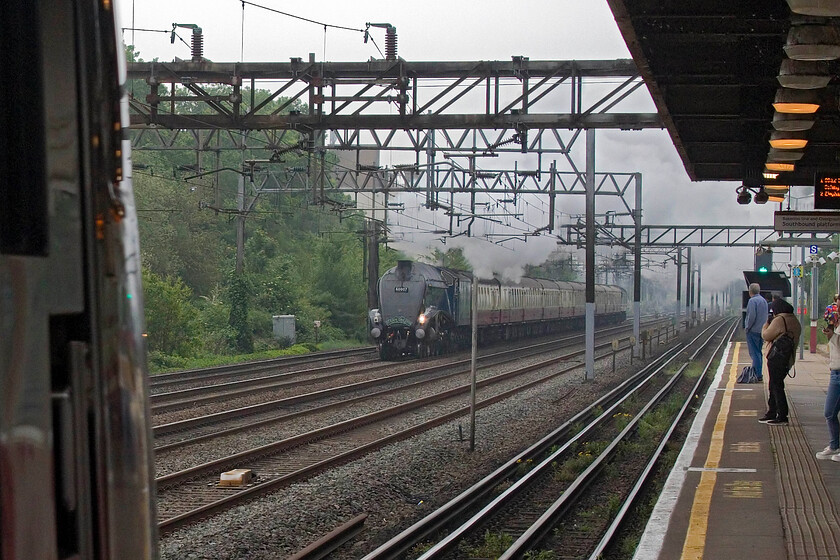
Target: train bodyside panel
{"points": [[75, 447]]}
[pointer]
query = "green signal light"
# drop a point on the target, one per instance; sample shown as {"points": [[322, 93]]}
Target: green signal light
{"points": [[762, 269]]}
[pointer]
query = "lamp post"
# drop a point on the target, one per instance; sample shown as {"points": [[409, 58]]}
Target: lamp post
{"points": [[815, 274]]}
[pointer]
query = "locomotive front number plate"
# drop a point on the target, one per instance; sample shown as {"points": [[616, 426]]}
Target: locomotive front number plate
{"points": [[401, 289]]}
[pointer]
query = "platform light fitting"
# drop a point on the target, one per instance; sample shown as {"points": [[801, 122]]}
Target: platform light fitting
{"points": [[822, 8], [787, 156], [796, 101], [784, 140], [775, 198], [803, 74], [778, 166], [792, 121], [778, 190], [761, 197], [813, 42], [768, 175], [744, 196]]}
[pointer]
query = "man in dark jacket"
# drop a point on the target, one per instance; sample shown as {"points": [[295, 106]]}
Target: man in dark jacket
{"points": [[783, 323], [753, 322]]}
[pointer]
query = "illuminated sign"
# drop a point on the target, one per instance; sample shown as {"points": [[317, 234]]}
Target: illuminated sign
{"points": [[827, 192]]}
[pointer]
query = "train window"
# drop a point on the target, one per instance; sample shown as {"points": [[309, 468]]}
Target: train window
{"points": [[23, 186], [436, 297]]}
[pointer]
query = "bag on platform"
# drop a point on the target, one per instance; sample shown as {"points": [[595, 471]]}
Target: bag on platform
{"points": [[747, 375], [781, 353]]}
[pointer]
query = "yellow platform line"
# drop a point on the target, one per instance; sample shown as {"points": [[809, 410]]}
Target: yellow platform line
{"points": [[695, 540]]}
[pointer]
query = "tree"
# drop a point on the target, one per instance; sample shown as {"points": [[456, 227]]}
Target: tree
{"points": [[338, 286], [451, 258], [171, 318], [239, 294]]}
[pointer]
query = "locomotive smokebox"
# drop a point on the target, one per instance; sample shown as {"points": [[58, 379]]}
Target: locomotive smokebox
{"points": [[404, 270]]}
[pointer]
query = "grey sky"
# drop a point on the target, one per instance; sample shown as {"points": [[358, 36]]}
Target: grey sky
{"points": [[461, 30]]}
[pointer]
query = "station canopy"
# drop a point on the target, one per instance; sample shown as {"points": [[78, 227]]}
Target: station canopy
{"points": [[712, 67]]}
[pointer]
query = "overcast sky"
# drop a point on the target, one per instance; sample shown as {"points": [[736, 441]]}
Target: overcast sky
{"points": [[466, 30]]}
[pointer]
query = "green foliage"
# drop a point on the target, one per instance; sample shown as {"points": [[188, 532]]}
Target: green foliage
{"points": [[162, 363], [558, 266], [524, 467], [569, 469], [451, 258], [495, 544], [238, 295], [187, 219], [419, 549], [171, 319], [540, 555], [338, 288]]}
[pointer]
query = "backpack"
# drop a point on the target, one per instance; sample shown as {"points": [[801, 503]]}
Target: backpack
{"points": [[781, 353], [747, 375]]}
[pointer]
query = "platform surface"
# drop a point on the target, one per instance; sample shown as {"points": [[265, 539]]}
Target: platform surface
{"points": [[745, 490]]}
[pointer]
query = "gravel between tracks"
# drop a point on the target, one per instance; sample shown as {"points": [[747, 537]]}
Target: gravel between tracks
{"points": [[395, 485], [171, 461]]}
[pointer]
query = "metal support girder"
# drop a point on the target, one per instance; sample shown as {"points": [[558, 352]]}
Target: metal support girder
{"points": [[445, 177], [365, 92], [590, 256], [637, 264], [679, 282], [623, 121], [672, 236]]}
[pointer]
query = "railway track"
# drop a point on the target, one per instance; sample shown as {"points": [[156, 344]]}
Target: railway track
{"points": [[511, 502], [291, 381], [173, 435], [193, 493], [188, 378]]}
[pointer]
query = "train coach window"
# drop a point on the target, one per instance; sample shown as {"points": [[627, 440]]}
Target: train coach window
{"points": [[23, 184]]}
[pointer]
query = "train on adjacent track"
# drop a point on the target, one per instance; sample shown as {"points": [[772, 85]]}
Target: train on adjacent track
{"points": [[75, 445], [426, 310]]}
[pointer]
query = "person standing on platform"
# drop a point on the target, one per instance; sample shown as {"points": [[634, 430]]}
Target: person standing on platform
{"points": [[832, 397], [753, 323], [782, 323]]}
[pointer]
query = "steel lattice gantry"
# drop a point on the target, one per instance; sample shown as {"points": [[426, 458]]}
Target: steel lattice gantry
{"points": [[385, 104], [668, 236]]}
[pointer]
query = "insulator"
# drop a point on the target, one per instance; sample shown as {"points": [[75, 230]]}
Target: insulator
{"points": [[391, 43], [197, 47]]}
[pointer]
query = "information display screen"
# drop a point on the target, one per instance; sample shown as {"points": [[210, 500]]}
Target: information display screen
{"points": [[827, 192]]}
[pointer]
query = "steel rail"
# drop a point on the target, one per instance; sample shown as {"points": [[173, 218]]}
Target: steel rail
{"points": [[330, 542], [647, 473], [546, 523], [256, 385], [318, 435], [219, 417], [455, 508], [474, 496], [184, 376], [290, 401], [242, 387]]}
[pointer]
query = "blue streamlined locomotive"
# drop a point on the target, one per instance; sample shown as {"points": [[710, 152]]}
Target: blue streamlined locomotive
{"points": [[425, 310]]}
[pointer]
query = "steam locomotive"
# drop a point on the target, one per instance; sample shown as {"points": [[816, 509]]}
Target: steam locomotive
{"points": [[75, 440], [426, 310]]}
